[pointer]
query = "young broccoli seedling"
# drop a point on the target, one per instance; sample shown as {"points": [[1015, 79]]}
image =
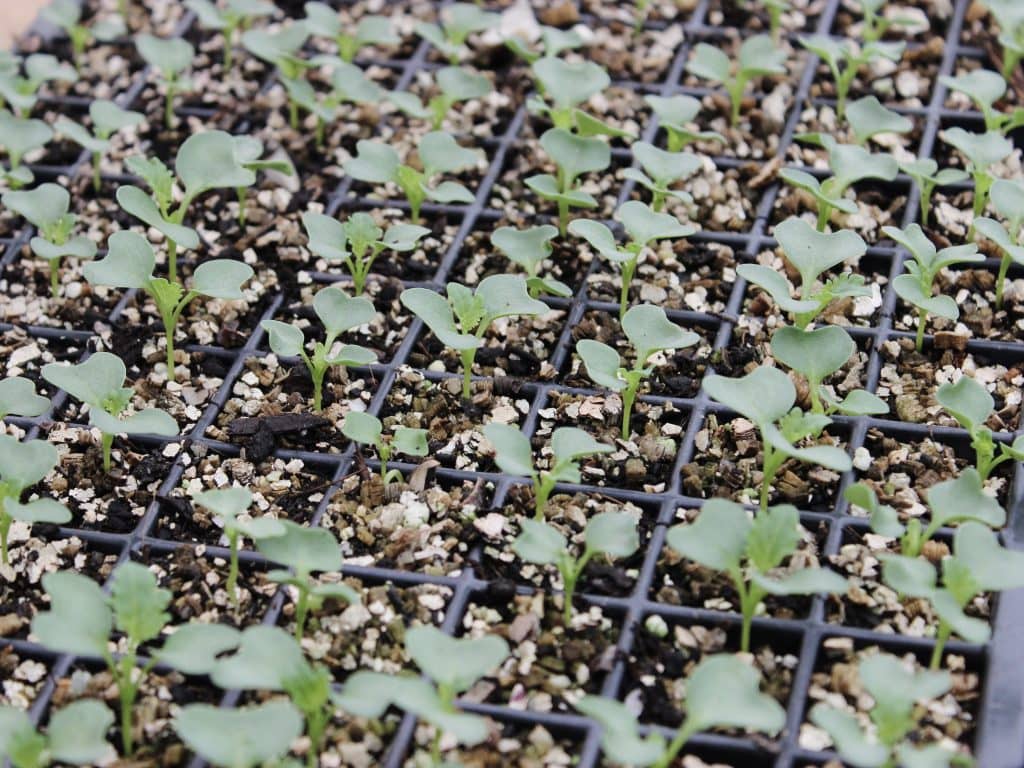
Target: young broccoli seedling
{"points": [[338, 313], [758, 57], [675, 114], [845, 59], [461, 319], [649, 331], [917, 286], [766, 396], [661, 170], [573, 155], [22, 93], [76, 734], [984, 87], [439, 153], [358, 242], [236, 14], [562, 86], [18, 398], [67, 14], [324, 21], [529, 248], [643, 226], [1009, 15], [98, 383], [170, 58], [248, 151], [280, 49], [22, 465], [349, 84], [868, 118], [129, 263], [367, 429], [458, 21], [927, 176], [884, 520], [723, 691], [1007, 196], [812, 253], [895, 692], [19, 136], [246, 737], [970, 403], [513, 454], [47, 208], [982, 151], [107, 119], [552, 42], [1011, 251], [826, 201], [455, 85]]}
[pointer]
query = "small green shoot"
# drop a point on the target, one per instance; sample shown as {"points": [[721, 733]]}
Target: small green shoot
{"points": [[236, 14], [868, 118], [845, 58], [76, 734], [19, 136], [675, 114], [323, 20], [529, 248], [573, 156], [458, 22], [661, 170], [758, 57], [367, 429], [455, 85], [562, 86], [1009, 15], [981, 151], [970, 403], [927, 176], [22, 465], [280, 49], [1010, 251], [22, 93], [170, 57], [67, 14], [107, 119], [247, 737], [985, 87]]}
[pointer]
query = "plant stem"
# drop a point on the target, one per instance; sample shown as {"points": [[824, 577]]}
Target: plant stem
{"points": [[240, 193], [5, 528], [563, 217], [293, 114], [318, 387], [541, 493], [812, 390], [316, 724], [232, 583], [169, 107], [686, 730], [628, 399], [922, 319], [106, 442], [54, 268], [628, 270], [1004, 267], [772, 461], [172, 261], [571, 572], [735, 90], [926, 202], [97, 181], [126, 691], [824, 214], [467, 356], [301, 611], [945, 630]]}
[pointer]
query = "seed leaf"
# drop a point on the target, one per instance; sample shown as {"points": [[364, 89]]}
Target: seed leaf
{"points": [[506, 295], [773, 536], [411, 442], [600, 238], [575, 154], [546, 186], [968, 401], [143, 207], [613, 534], [339, 312], [526, 247], [884, 519], [303, 549], [909, 289], [138, 602], [209, 161], [602, 364], [440, 153], [967, 627], [992, 567], [539, 543], [38, 511], [817, 354], [170, 56], [813, 252], [221, 279], [99, 378], [808, 183], [723, 691], [895, 688], [981, 149], [807, 581], [23, 464], [644, 225], [449, 192], [621, 740], [777, 286], [868, 118], [929, 756], [717, 539], [649, 330], [454, 663], [850, 740], [18, 397], [151, 421], [77, 734], [570, 83], [709, 63], [964, 498], [108, 118], [827, 456], [128, 264], [239, 738], [512, 452], [79, 620], [571, 443], [437, 314], [364, 428], [43, 206], [194, 647], [285, 339], [267, 657], [764, 395]]}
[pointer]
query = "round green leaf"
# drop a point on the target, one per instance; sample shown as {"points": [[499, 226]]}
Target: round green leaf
{"points": [[764, 395], [303, 549], [454, 663], [602, 364], [285, 340], [43, 206], [77, 734], [144, 208], [98, 379], [723, 691], [570, 83], [813, 252], [23, 464], [79, 620], [208, 161], [649, 330], [817, 354], [339, 312], [18, 397], [717, 538], [128, 264], [968, 401], [575, 155], [221, 279], [239, 738], [512, 451], [539, 543], [613, 534]]}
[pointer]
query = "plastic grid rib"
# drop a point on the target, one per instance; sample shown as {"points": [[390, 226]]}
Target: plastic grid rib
{"points": [[1000, 735]]}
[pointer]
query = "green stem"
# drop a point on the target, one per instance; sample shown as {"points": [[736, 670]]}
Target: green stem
{"points": [[1004, 267], [293, 115], [922, 319], [658, 202], [54, 269], [169, 107], [812, 390], [683, 735], [541, 493], [467, 356], [824, 214], [240, 193], [316, 724], [628, 270], [628, 399], [126, 692], [735, 90], [772, 462], [107, 443], [926, 202], [5, 529], [945, 630], [301, 611], [232, 582], [172, 261], [563, 217], [97, 180], [318, 387], [571, 572]]}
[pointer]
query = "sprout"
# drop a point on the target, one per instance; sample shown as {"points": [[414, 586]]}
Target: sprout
{"points": [[455, 84], [884, 520], [573, 155], [67, 14], [107, 119], [458, 22], [661, 170], [649, 331], [237, 14], [338, 313], [845, 59], [765, 396], [46, 208], [552, 42], [812, 254], [322, 20], [280, 50], [22, 465], [971, 405], [247, 737], [512, 454], [76, 734], [725, 539], [775, 10], [895, 692], [984, 87], [1007, 198], [758, 57], [170, 57], [462, 318], [1009, 15], [22, 92], [1011, 252], [825, 200], [129, 263], [868, 118], [378, 163], [19, 136], [926, 174], [529, 248], [674, 114], [305, 550], [916, 287], [18, 398], [366, 429], [643, 226], [358, 242], [563, 87], [982, 151], [722, 691], [247, 153]]}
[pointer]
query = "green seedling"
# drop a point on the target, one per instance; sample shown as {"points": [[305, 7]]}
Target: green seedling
{"points": [[573, 156], [107, 119], [76, 734], [1009, 15], [453, 664], [358, 242], [722, 691], [612, 534], [22, 465], [825, 200], [845, 58], [643, 226], [230, 506], [985, 87], [981, 151], [305, 550], [458, 22], [552, 42], [280, 49], [877, 24], [927, 176], [649, 331], [47, 208], [513, 454], [971, 405], [884, 520], [129, 263], [235, 15], [349, 84], [917, 285], [675, 114], [1010, 250], [758, 57], [67, 14], [22, 93], [19, 136], [323, 21], [529, 248], [812, 253], [661, 170], [766, 396], [895, 692], [367, 429], [170, 58], [98, 383], [460, 320], [378, 163], [455, 85], [563, 86], [1007, 196], [248, 151], [247, 737], [338, 313], [18, 398], [868, 118]]}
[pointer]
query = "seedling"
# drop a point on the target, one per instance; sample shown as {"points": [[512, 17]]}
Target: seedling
{"points": [[358, 242], [825, 200], [129, 263], [981, 151], [367, 429], [553, 41], [895, 692], [107, 119], [248, 151], [18, 398], [765, 396], [67, 14], [322, 20], [868, 118], [512, 454], [305, 550], [661, 170], [562, 87], [675, 114], [608, 533], [461, 319], [1009, 15], [338, 313], [573, 155], [758, 57], [22, 92], [76, 734], [722, 691], [246, 737], [46, 208], [812, 253], [970, 403], [649, 331], [984, 87], [458, 22], [529, 248], [455, 85], [845, 59], [281, 50], [236, 14], [439, 153], [643, 226], [917, 286], [884, 520], [1007, 196], [927, 176], [19, 136], [170, 58], [22, 465], [348, 84], [1011, 251]]}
